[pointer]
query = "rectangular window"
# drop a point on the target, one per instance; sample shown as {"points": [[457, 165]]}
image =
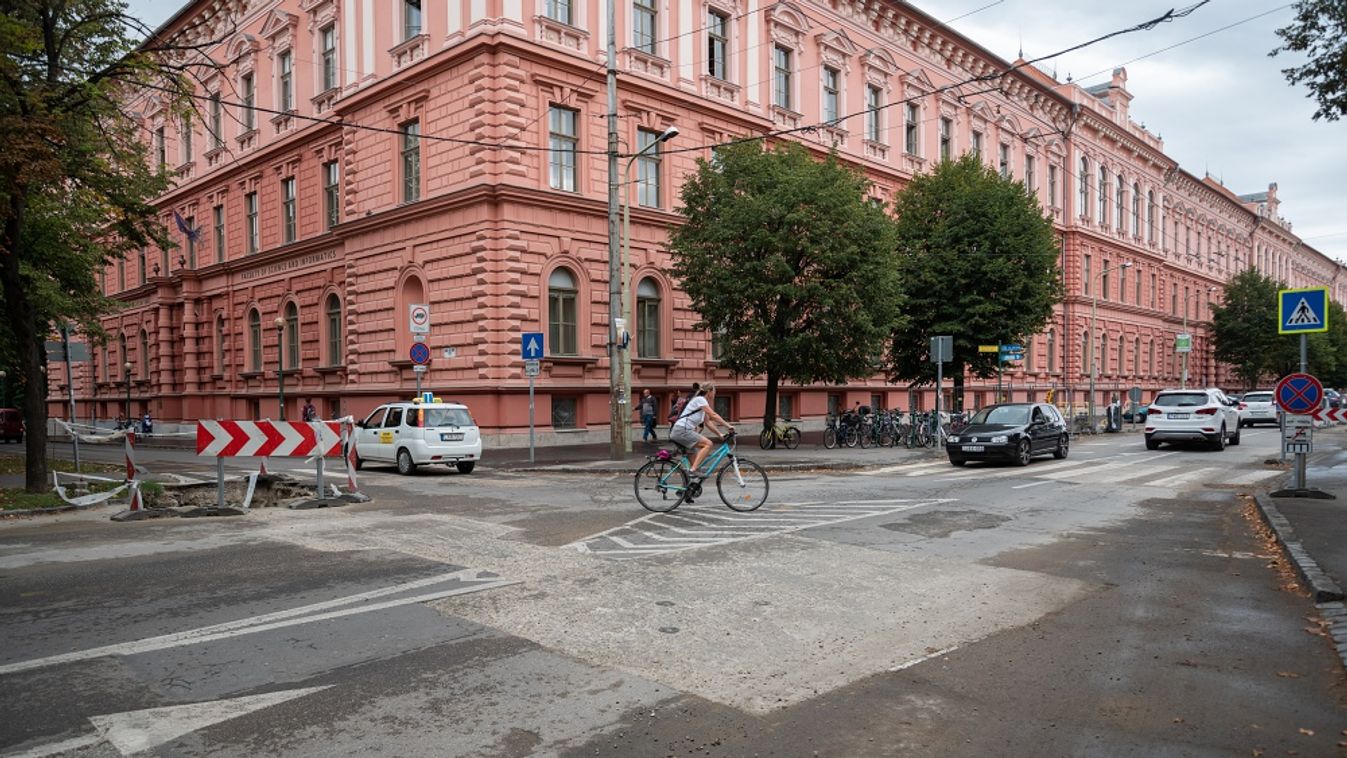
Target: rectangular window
{"points": [[559, 10], [1174, 299], [144, 266], [216, 121], [648, 169], [121, 273], [1103, 276], [160, 148], [874, 100], [911, 127], [250, 213], [563, 412], [1004, 160], [1085, 275], [561, 320], [1052, 186], [1153, 288], [285, 89], [191, 242], [1120, 203], [288, 209], [187, 138], [1137, 301], [1103, 196], [411, 19], [411, 161], [717, 44], [1030, 181], [781, 73], [647, 328], [946, 139], [329, 56], [218, 217], [563, 141], [643, 25], [976, 147], [331, 193], [249, 103], [830, 94]]}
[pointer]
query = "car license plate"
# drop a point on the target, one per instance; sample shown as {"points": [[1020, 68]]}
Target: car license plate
{"points": [[1178, 415], [451, 436], [974, 448]]}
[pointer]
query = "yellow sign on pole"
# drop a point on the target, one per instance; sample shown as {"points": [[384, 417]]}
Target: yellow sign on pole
{"points": [[989, 348]]}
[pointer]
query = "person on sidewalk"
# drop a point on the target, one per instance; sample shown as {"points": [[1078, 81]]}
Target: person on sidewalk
{"points": [[699, 410], [310, 413], [648, 406]]}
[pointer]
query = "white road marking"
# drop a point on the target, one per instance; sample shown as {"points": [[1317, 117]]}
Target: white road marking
{"points": [[263, 623], [1038, 483], [1183, 478], [924, 658]]}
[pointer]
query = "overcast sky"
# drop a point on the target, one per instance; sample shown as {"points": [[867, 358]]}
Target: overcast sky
{"points": [[1220, 103]]}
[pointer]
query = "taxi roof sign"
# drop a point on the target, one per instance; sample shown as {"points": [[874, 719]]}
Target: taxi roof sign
{"points": [[1302, 311]]}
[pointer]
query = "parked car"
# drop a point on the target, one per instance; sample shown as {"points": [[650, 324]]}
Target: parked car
{"points": [[11, 425], [1192, 414], [419, 434], [1135, 413], [1258, 408], [1014, 432]]}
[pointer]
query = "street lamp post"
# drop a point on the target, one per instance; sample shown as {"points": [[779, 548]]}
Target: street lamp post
{"points": [[1094, 342], [1183, 379], [126, 374], [280, 363], [627, 298]]}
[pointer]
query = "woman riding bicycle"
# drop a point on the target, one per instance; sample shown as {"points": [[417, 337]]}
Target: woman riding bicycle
{"points": [[699, 411]]}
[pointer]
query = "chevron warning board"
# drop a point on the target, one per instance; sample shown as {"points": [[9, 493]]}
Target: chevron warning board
{"points": [[226, 439]]}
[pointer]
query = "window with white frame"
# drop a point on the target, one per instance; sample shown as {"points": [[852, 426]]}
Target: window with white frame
{"points": [[912, 129], [255, 340], [250, 214], [288, 209], [831, 94], [1103, 196], [561, 313], [717, 44], [411, 19], [331, 194], [328, 57], [160, 148], [1121, 203], [946, 138], [1136, 209], [285, 82], [216, 121], [1030, 180], [781, 74], [976, 146], [291, 335], [249, 92], [1084, 180], [218, 217], [559, 10], [1150, 216], [644, 25], [563, 141], [648, 169], [1052, 185], [1004, 160], [332, 311], [647, 319], [187, 138], [1086, 279], [874, 100], [411, 161]]}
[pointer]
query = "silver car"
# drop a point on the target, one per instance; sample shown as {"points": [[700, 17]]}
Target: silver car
{"points": [[1189, 415]]}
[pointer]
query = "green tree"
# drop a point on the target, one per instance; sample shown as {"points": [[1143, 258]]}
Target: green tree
{"points": [[788, 264], [75, 179], [978, 261], [1319, 31], [1244, 328]]}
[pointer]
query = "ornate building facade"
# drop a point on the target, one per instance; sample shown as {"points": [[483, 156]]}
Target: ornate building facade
{"points": [[351, 158]]}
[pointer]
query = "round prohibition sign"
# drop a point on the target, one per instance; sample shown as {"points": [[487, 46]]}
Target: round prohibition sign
{"points": [[1299, 393], [420, 316], [419, 353]]}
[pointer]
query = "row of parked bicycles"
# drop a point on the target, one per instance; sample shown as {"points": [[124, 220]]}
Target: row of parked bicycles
{"points": [[879, 429]]}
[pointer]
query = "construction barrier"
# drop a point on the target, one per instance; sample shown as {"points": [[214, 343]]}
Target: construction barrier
{"points": [[314, 440]]}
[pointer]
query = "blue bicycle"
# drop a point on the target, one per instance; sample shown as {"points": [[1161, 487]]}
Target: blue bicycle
{"points": [[664, 482]]}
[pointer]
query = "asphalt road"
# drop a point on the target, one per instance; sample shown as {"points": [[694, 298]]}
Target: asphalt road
{"points": [[1120, 602]]}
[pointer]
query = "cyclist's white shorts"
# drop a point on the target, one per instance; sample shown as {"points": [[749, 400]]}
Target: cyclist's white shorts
{"points": [[685, 436]]}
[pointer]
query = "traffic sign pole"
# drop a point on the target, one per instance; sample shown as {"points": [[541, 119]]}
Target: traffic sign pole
{"points": [[1299, 396]]}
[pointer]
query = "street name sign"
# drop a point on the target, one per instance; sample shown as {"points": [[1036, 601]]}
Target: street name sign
{"points": [[531, 346], [1298, 393], [1302, 311]]}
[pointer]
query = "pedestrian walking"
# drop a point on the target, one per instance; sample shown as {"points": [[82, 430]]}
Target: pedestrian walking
{"points": [[648, 406], [309, 413]]}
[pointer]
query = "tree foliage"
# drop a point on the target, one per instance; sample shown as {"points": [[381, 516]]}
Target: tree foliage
{"points": [[1319, 31], [76, 183], [789, 265], [978, 260], [1244, 335]]}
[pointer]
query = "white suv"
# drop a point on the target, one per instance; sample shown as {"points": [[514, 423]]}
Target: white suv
{"points": [[417, 434], [1192, 414], [1258, 408]]}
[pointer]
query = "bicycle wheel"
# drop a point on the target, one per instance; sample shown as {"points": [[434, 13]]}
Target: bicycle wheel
{"points": [[792, 437], [830, 438], [904, 435], [886, 437], [765, 440], [851, 437], [742, 485], [660, 485], [932, 437], [867, 436]]}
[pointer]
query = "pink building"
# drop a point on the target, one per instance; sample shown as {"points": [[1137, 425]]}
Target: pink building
{"points": [[354, 157]]}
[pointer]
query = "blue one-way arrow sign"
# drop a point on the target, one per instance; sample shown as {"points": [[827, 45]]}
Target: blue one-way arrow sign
{"points": [[531, 347], [1302, 311]]}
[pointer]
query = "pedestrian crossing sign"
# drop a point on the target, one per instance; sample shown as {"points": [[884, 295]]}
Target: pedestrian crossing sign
{"points": [[1302, 311]]}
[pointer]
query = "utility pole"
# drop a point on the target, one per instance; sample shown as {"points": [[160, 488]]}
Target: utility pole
{"points": [[617, 399]]}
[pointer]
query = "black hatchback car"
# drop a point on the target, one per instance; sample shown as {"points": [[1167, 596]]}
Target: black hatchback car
{"points": [[1014, 432]]}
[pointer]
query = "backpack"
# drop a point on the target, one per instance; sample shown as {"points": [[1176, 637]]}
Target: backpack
{"points": [[677, 409]]}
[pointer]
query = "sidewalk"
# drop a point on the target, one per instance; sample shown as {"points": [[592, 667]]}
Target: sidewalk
{"points": [[1314, 532]]}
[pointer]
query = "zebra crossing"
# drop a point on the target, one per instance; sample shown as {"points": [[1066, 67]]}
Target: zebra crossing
{"points": [[1144, 471], [705, 525]]}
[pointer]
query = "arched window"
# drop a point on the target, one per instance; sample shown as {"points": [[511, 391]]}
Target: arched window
{"points": [[1052, 350], [647, 319], [1084, 187], [561, 318], [219, 344], [144, 354], [254, 340], [333, 313], [291, 335]]}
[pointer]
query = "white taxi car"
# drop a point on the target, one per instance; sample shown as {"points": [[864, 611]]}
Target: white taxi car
{"points": [[412, 434], [1192, 415]]}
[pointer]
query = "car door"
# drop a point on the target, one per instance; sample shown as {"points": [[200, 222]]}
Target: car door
{"points": [[367, 434], [1041, 430], [389, 434]]}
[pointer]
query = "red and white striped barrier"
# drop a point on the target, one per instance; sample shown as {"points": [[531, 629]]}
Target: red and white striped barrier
{"points": [[1330, 414], [131, 468], [227, 439]]}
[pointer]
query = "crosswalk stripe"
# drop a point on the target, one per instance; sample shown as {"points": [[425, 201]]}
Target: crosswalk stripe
{"points": [[1182, 478]]}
